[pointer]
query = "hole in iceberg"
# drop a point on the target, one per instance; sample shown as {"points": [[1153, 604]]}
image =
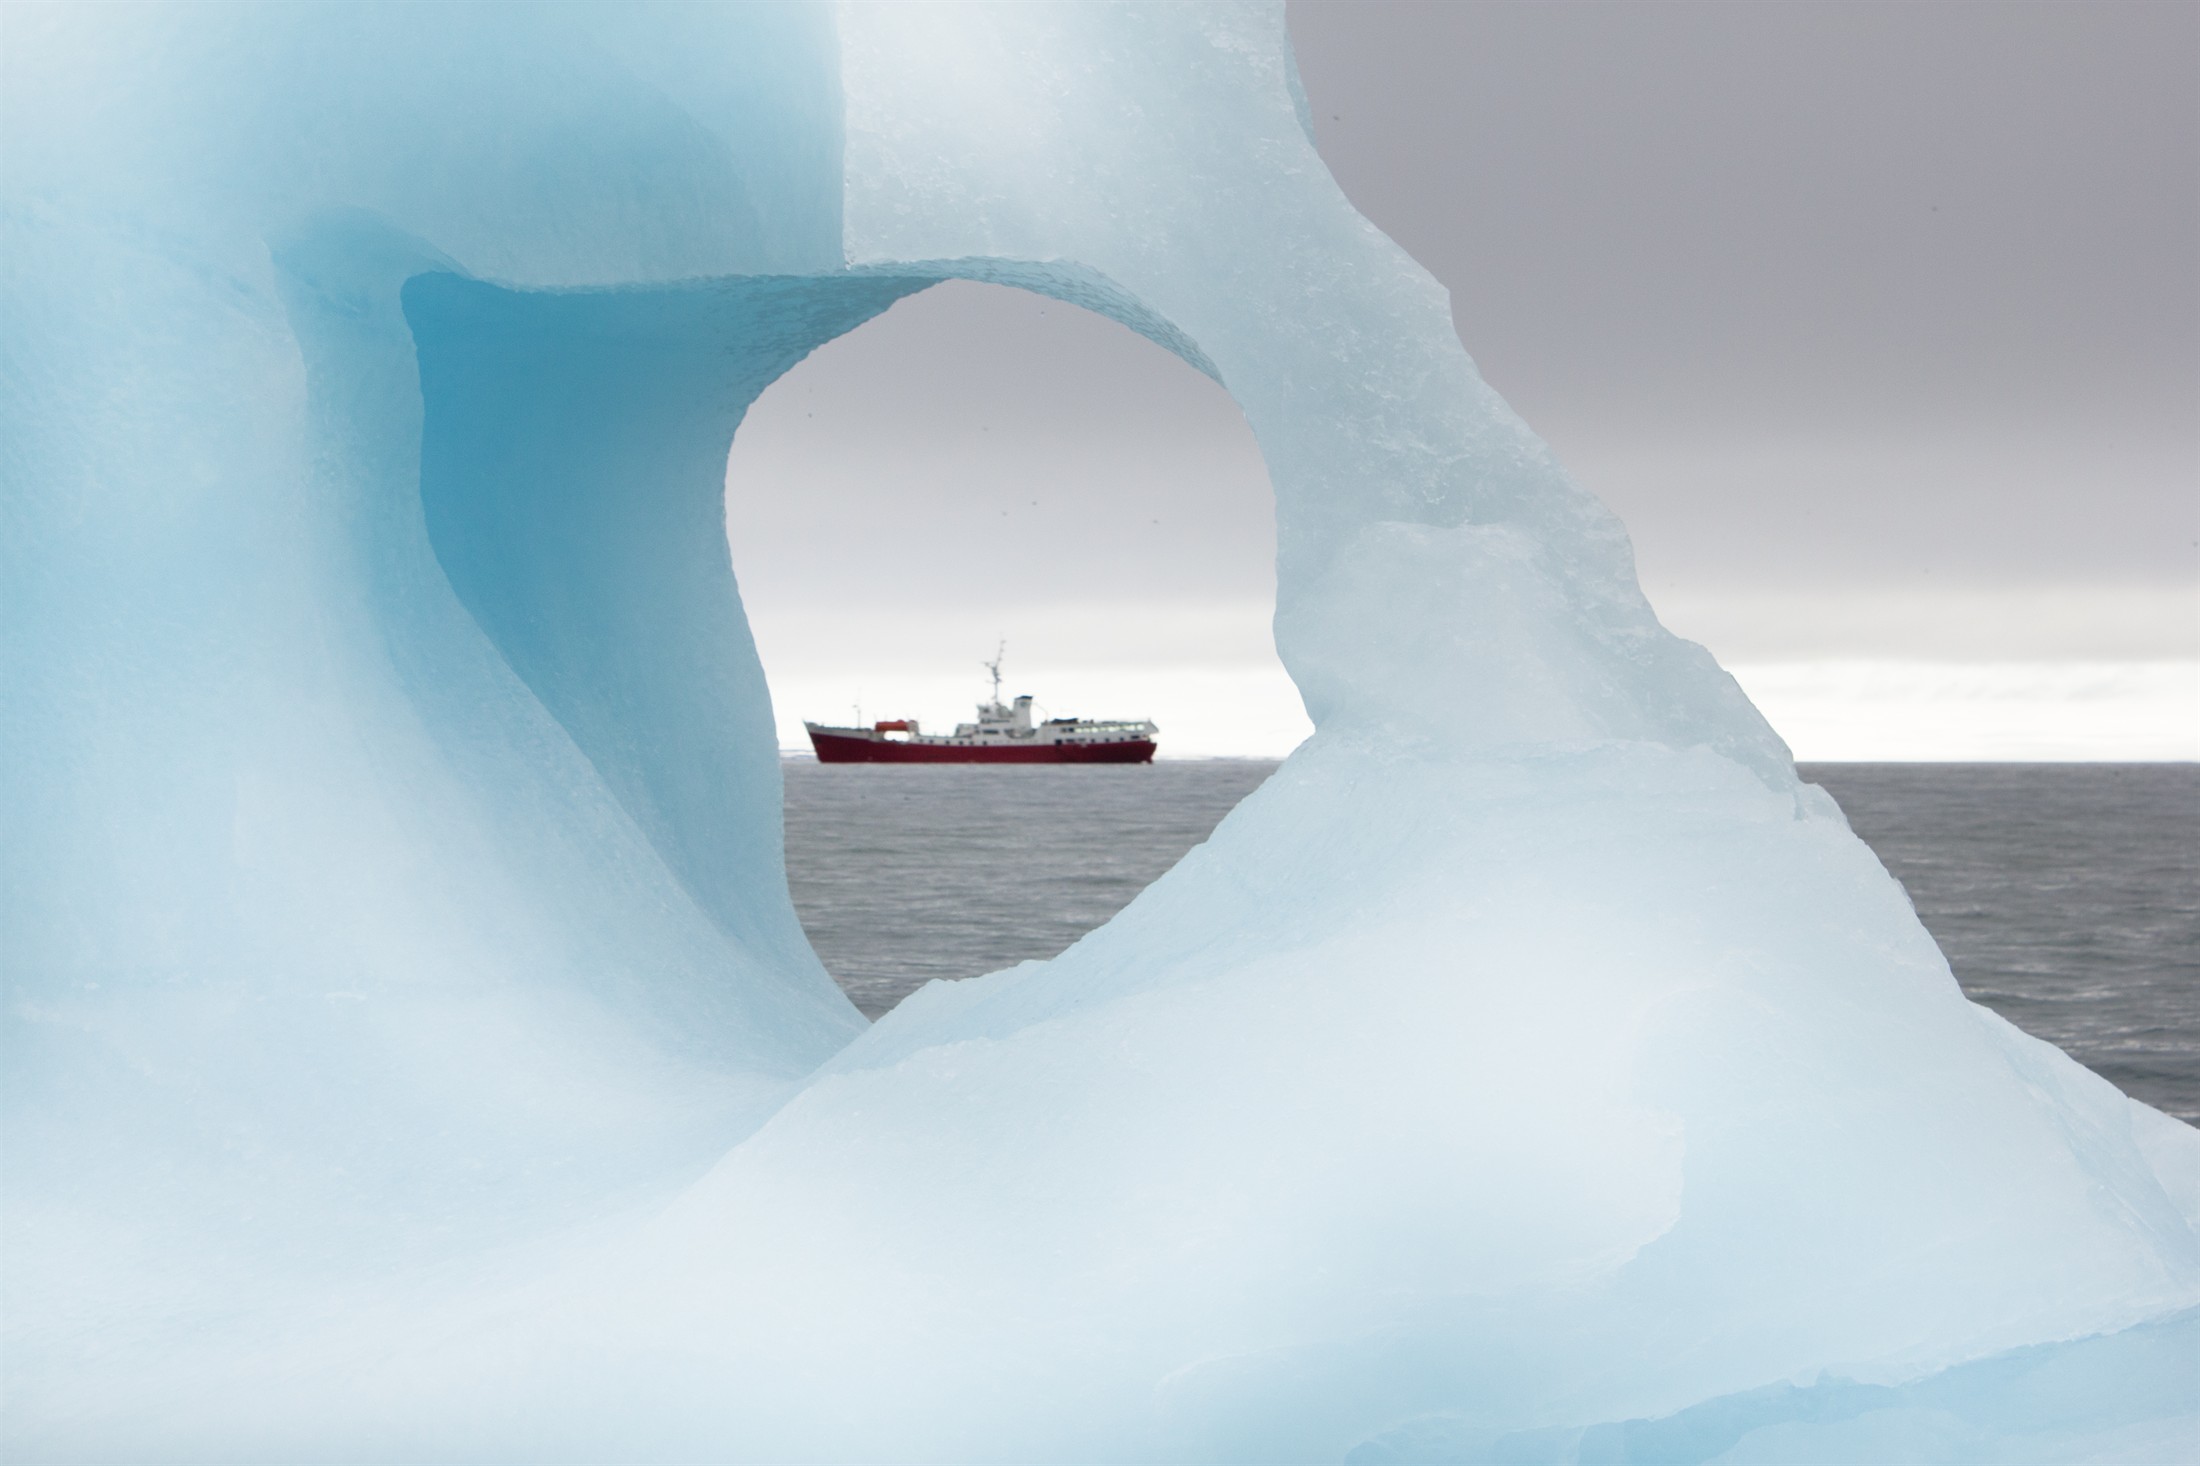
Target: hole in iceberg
{"points": [[1084, 494], [983, 463]]}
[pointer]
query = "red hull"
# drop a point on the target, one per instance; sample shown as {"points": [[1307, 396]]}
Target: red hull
{"points": [[832, 748]]}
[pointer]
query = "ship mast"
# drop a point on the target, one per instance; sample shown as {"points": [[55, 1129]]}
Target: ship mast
{"points": [[994, 667]]}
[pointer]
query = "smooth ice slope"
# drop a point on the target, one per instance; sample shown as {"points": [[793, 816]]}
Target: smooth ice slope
{"points": [[409, 1043]]}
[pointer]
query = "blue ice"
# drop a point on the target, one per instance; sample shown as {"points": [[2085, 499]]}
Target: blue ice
{"points": [[410, 1049]]}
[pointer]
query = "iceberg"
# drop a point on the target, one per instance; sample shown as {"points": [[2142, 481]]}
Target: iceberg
{"points": [[410, 1049]]}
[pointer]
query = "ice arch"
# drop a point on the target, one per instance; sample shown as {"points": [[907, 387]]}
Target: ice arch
{"points": [[409, 1052]]}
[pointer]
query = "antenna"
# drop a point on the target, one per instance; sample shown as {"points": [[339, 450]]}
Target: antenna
{"points": [[994, 667]]}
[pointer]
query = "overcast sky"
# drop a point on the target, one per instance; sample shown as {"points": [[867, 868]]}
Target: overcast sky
{"points": [[1878, 324], [1848, 296]]}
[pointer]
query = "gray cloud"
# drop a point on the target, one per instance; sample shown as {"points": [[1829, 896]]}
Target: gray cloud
{"points": [[979, 445], [1875, 295]]}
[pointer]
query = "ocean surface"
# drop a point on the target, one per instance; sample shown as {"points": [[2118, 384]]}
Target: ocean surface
{"points": [[2067, 896]]}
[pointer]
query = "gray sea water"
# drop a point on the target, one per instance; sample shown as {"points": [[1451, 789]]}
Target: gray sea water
{"points": [[2067, 896]]}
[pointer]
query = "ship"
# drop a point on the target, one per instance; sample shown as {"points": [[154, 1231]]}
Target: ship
{"points": [[1003, 734]]}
